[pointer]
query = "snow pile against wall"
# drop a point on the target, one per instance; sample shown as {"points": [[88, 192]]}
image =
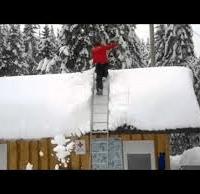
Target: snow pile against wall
{"points": [[190, 157], [40, 106], [155, 98], [174, 162]]}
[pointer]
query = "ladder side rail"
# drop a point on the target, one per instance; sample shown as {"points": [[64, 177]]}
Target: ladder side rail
{"points": [[91, 122]]}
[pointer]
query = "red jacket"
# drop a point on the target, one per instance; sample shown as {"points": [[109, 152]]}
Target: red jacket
{"points": [[100, 53]]}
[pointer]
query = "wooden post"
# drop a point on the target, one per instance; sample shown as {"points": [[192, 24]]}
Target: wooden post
{"points": [[24, 154], [152, 49], [33, 155], [12, 155], [43, 155]]}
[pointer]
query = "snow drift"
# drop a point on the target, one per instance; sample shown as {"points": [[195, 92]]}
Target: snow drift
{"points": [[174, 162], [40, 106], [155, 98], [190, 157]]}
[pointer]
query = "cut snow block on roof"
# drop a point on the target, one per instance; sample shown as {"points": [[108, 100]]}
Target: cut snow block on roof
{"points": [[40, 106], [155, 98]]}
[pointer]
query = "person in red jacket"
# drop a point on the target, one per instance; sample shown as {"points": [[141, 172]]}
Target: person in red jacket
{"points": [[100, 60]]}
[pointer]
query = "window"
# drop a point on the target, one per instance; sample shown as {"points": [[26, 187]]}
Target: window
{"points": [[139, 155], [106, 154], [3, 156]]}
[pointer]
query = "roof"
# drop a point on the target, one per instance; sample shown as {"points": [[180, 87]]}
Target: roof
{"points": [[149, 99]]}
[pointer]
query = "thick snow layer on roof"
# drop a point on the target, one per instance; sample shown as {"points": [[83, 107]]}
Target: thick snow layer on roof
{"points": [[39, 106], [155, 98]]}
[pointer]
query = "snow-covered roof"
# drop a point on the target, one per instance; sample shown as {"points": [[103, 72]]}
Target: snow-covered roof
{"points": [[155, 98], [39, 106]]}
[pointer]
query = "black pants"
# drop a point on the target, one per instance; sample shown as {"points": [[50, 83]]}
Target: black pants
{"points": [[101, 71]]}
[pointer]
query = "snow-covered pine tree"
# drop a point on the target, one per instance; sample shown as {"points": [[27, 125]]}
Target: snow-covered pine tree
{"points": [[128, 55], [76, 42], [178, 44], [53, 40], [46, 51], [159, 44], [149, 53], [64, 44], [44, 47], [14, 52], [3, 41], [31, 42], [144, 52]]}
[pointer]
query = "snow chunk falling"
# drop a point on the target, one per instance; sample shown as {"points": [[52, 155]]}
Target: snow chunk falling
{"points": [[29, 166], [155, 98], [63, 148], [41, 153]]}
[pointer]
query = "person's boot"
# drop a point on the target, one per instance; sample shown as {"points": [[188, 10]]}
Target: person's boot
{"points": [[104, 79], [99, 91]]}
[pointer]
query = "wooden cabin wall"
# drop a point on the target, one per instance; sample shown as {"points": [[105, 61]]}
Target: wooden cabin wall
{"points": [[161, 144], [20, 152]]}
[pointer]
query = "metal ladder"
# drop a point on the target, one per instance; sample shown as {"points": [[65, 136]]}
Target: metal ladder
{"points": [[99, 112]]}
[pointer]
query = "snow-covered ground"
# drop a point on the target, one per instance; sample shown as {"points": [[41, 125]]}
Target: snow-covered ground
{"points": [[190, 157], [45, 105], [174, 162], [156, 98]]}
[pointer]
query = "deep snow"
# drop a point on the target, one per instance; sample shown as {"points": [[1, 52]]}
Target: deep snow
{"points": [[174, 162], [189, 157], [155, 98], [39, 106]]}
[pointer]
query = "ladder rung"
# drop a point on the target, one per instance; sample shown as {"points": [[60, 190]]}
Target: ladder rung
{"points": [[100, 108], [99, 117], [99, 126], [100, 100], [99, 131]]}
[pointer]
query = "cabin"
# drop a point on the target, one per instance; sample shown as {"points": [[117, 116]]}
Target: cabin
{"points": [[128, 128]]}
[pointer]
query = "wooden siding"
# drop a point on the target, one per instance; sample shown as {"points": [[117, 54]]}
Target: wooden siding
{"points": [[21, 152], [161, 144]]}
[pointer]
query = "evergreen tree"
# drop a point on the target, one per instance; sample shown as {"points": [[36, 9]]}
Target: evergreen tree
{"points": [[46, 51], [3, 41], [76, 42], [128, 55], [178, 44], [31, 41], [159, 44], [144, 52], [14, 53], [46, 47]]}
